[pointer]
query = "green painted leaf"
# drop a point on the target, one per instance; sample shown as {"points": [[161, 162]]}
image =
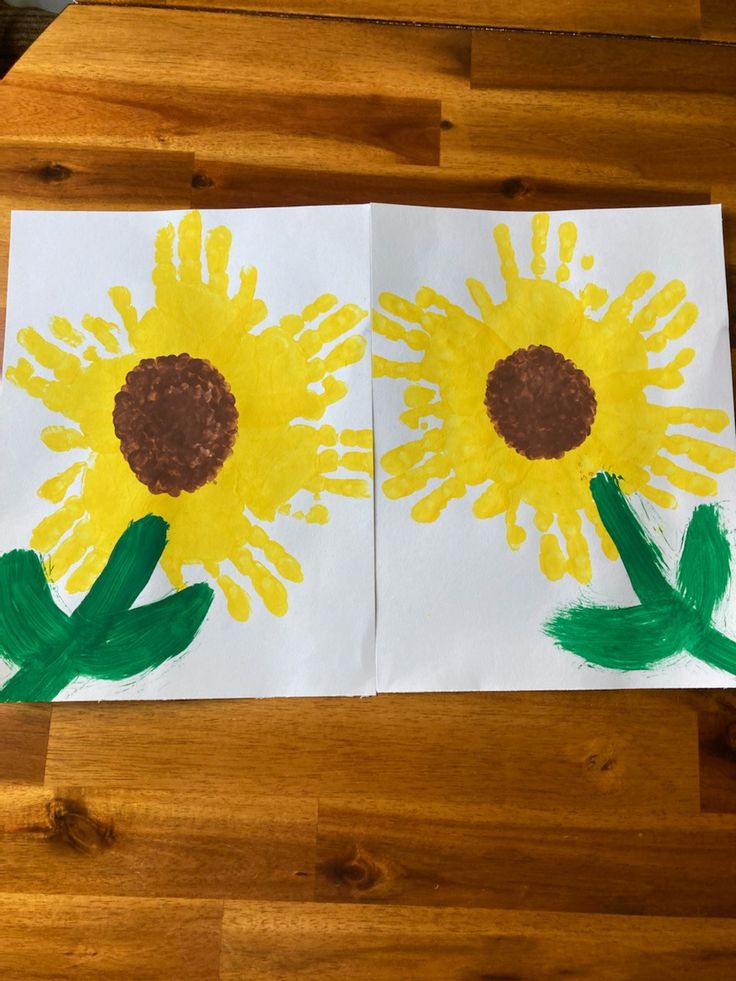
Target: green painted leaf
{"points": [[717, 650], [31, 624], [704, 569], [143, 638], [127, 572], [624, 638]]}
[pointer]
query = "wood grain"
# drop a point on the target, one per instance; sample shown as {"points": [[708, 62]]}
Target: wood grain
{"points": [[364, 129], [657, 136], [522, 60], [594, 750], [456, 837], [398, 118], [329, 943], [718, 19], [46, 938], [669, 18], [442, 855], [177, 844], [717, 730], [50, 176], [229, 184], [24, 732], [244, 54]]}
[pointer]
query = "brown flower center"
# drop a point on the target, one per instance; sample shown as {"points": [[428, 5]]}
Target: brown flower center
{"points": [[176, 420], [540, 403]]}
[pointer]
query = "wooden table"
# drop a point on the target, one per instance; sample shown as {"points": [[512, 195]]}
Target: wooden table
{"points": [[586, 835]]}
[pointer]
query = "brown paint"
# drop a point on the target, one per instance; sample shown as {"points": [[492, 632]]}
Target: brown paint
{"points": [[176, 420], [540, 403]]}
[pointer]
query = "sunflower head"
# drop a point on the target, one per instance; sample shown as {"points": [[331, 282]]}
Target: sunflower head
{"points": [[197, 411], [531, 395], [177, 422]]}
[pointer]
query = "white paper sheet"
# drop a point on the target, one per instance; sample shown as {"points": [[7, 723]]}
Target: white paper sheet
{"points": [[62, 265], [485, 524], [458, 609]]}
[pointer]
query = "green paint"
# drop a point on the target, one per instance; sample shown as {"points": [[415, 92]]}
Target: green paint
{"points": [[670, 618], [103, 638], [704, 569]]}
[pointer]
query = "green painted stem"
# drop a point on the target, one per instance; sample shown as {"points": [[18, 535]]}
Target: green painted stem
{"points": [[639, 552], [717, 650], [37, 684]]}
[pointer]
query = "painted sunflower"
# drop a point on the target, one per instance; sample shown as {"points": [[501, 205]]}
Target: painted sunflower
{"points": [[537, 393], [189, 412]]}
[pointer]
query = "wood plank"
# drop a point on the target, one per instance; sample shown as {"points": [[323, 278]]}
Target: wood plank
{"points": [[330, 942], [50, 176], [357, 129], [717, 731], [592, 750], [64, 937], [102, 98], [526, 60], [164, 49], [24, 732], [134, 843], [231, 184], [676, 18], [718, 19], [443, 855], [595, 137]]}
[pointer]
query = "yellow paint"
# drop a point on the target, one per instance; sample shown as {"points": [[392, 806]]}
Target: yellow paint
{"points": [[494, 500], [238, 601], [357, 461], [103, 332], [62, 438], [586, 261], [65, 366], [55, 488], [48, 532], [678, 325], [515, 534], [62, 330], [283, 380], [444, 381], [506, 253], [71, 550], [568, 237], [552, 561], [593, 296], [540, 229], [271, 590], [383, 368], [482, 299], [415, 339], [429, 507], [357, 437], [86, 572]]}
